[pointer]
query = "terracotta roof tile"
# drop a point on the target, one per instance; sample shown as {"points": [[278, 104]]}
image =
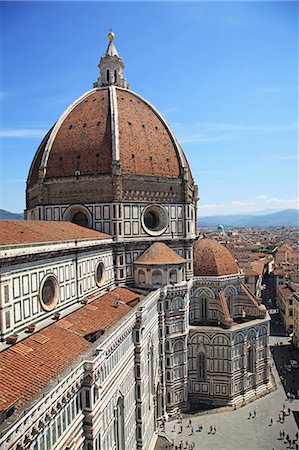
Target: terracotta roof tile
{"points": [[31, 231], [145, 144], [224, 306], [158, 254], [23, 373], [253, 299], [212, 259], [83, 141]]}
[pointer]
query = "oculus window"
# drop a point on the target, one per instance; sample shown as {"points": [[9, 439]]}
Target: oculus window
{"points": [[49, 292]]}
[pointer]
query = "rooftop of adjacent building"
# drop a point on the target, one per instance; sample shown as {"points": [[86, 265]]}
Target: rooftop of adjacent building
{"points": [[30, 365], [16, 232]]}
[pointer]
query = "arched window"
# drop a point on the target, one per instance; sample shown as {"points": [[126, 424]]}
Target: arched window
{"points": [[141, 277], [157, 277], [107, 76], [115, 76], [178, 357], [173, 278], [168, 397], [201, 366], [119, 424], [151, 376], [251, 339], [80, 218], [177, 303], [203, 308], [250, 359]]}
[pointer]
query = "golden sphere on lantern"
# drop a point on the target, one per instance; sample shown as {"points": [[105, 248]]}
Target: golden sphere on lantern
{"points": [[111, 36]]}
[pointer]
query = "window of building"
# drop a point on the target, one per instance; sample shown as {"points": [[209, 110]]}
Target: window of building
{"points": [[201, 366], [79, 218], [119, 424], [173, 276], [107, 76], [251, 359], [177, 303], [100, 274], [141, 277], [203, 307], [6, 293], [49, 292], [7, 319], [157, 277], [87, 399]]}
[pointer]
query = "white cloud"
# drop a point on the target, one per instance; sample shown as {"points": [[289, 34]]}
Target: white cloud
{"points": [[209, 132], [239, 203], [261, 197], [249, 206], [211, 206], [22, 133], [199, 138], [291, 202]]}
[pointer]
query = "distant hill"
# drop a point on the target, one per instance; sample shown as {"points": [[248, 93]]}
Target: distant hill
{"points": [[286, 218], [6, 215]]}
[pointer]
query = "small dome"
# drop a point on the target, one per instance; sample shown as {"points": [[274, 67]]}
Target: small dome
{"points": [[212, 259], [159, 254]]}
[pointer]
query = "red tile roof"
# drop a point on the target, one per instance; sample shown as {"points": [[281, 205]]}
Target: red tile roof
{"points": [[253, 299], [212, 259], [30, 365], [31, 231], [84, 140], [285, 291], [224, 306], [158, 254], [146, 146]]}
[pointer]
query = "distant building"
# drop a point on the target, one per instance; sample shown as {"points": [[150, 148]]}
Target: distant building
{"points": [[123, 316]]}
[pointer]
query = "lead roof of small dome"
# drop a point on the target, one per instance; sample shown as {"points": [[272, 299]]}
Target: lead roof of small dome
{"points": [[212, 259]]}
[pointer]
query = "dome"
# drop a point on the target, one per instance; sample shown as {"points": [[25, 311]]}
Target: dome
{"points": [[159, 254], [83, 139], [108, 131], [212, 259]]}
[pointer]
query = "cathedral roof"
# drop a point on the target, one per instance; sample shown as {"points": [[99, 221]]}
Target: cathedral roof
{"points": [[30, 365], [158, 254], [212, 259], [109, 125], [108, 129], [30, 231]]}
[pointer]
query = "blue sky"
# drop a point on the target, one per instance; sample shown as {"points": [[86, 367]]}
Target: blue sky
{"points": [[223, 74]]}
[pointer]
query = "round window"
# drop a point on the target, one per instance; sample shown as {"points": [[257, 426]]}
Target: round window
{"points": [[155, 219], [79, 218], [48, 293], [100, 274]]}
